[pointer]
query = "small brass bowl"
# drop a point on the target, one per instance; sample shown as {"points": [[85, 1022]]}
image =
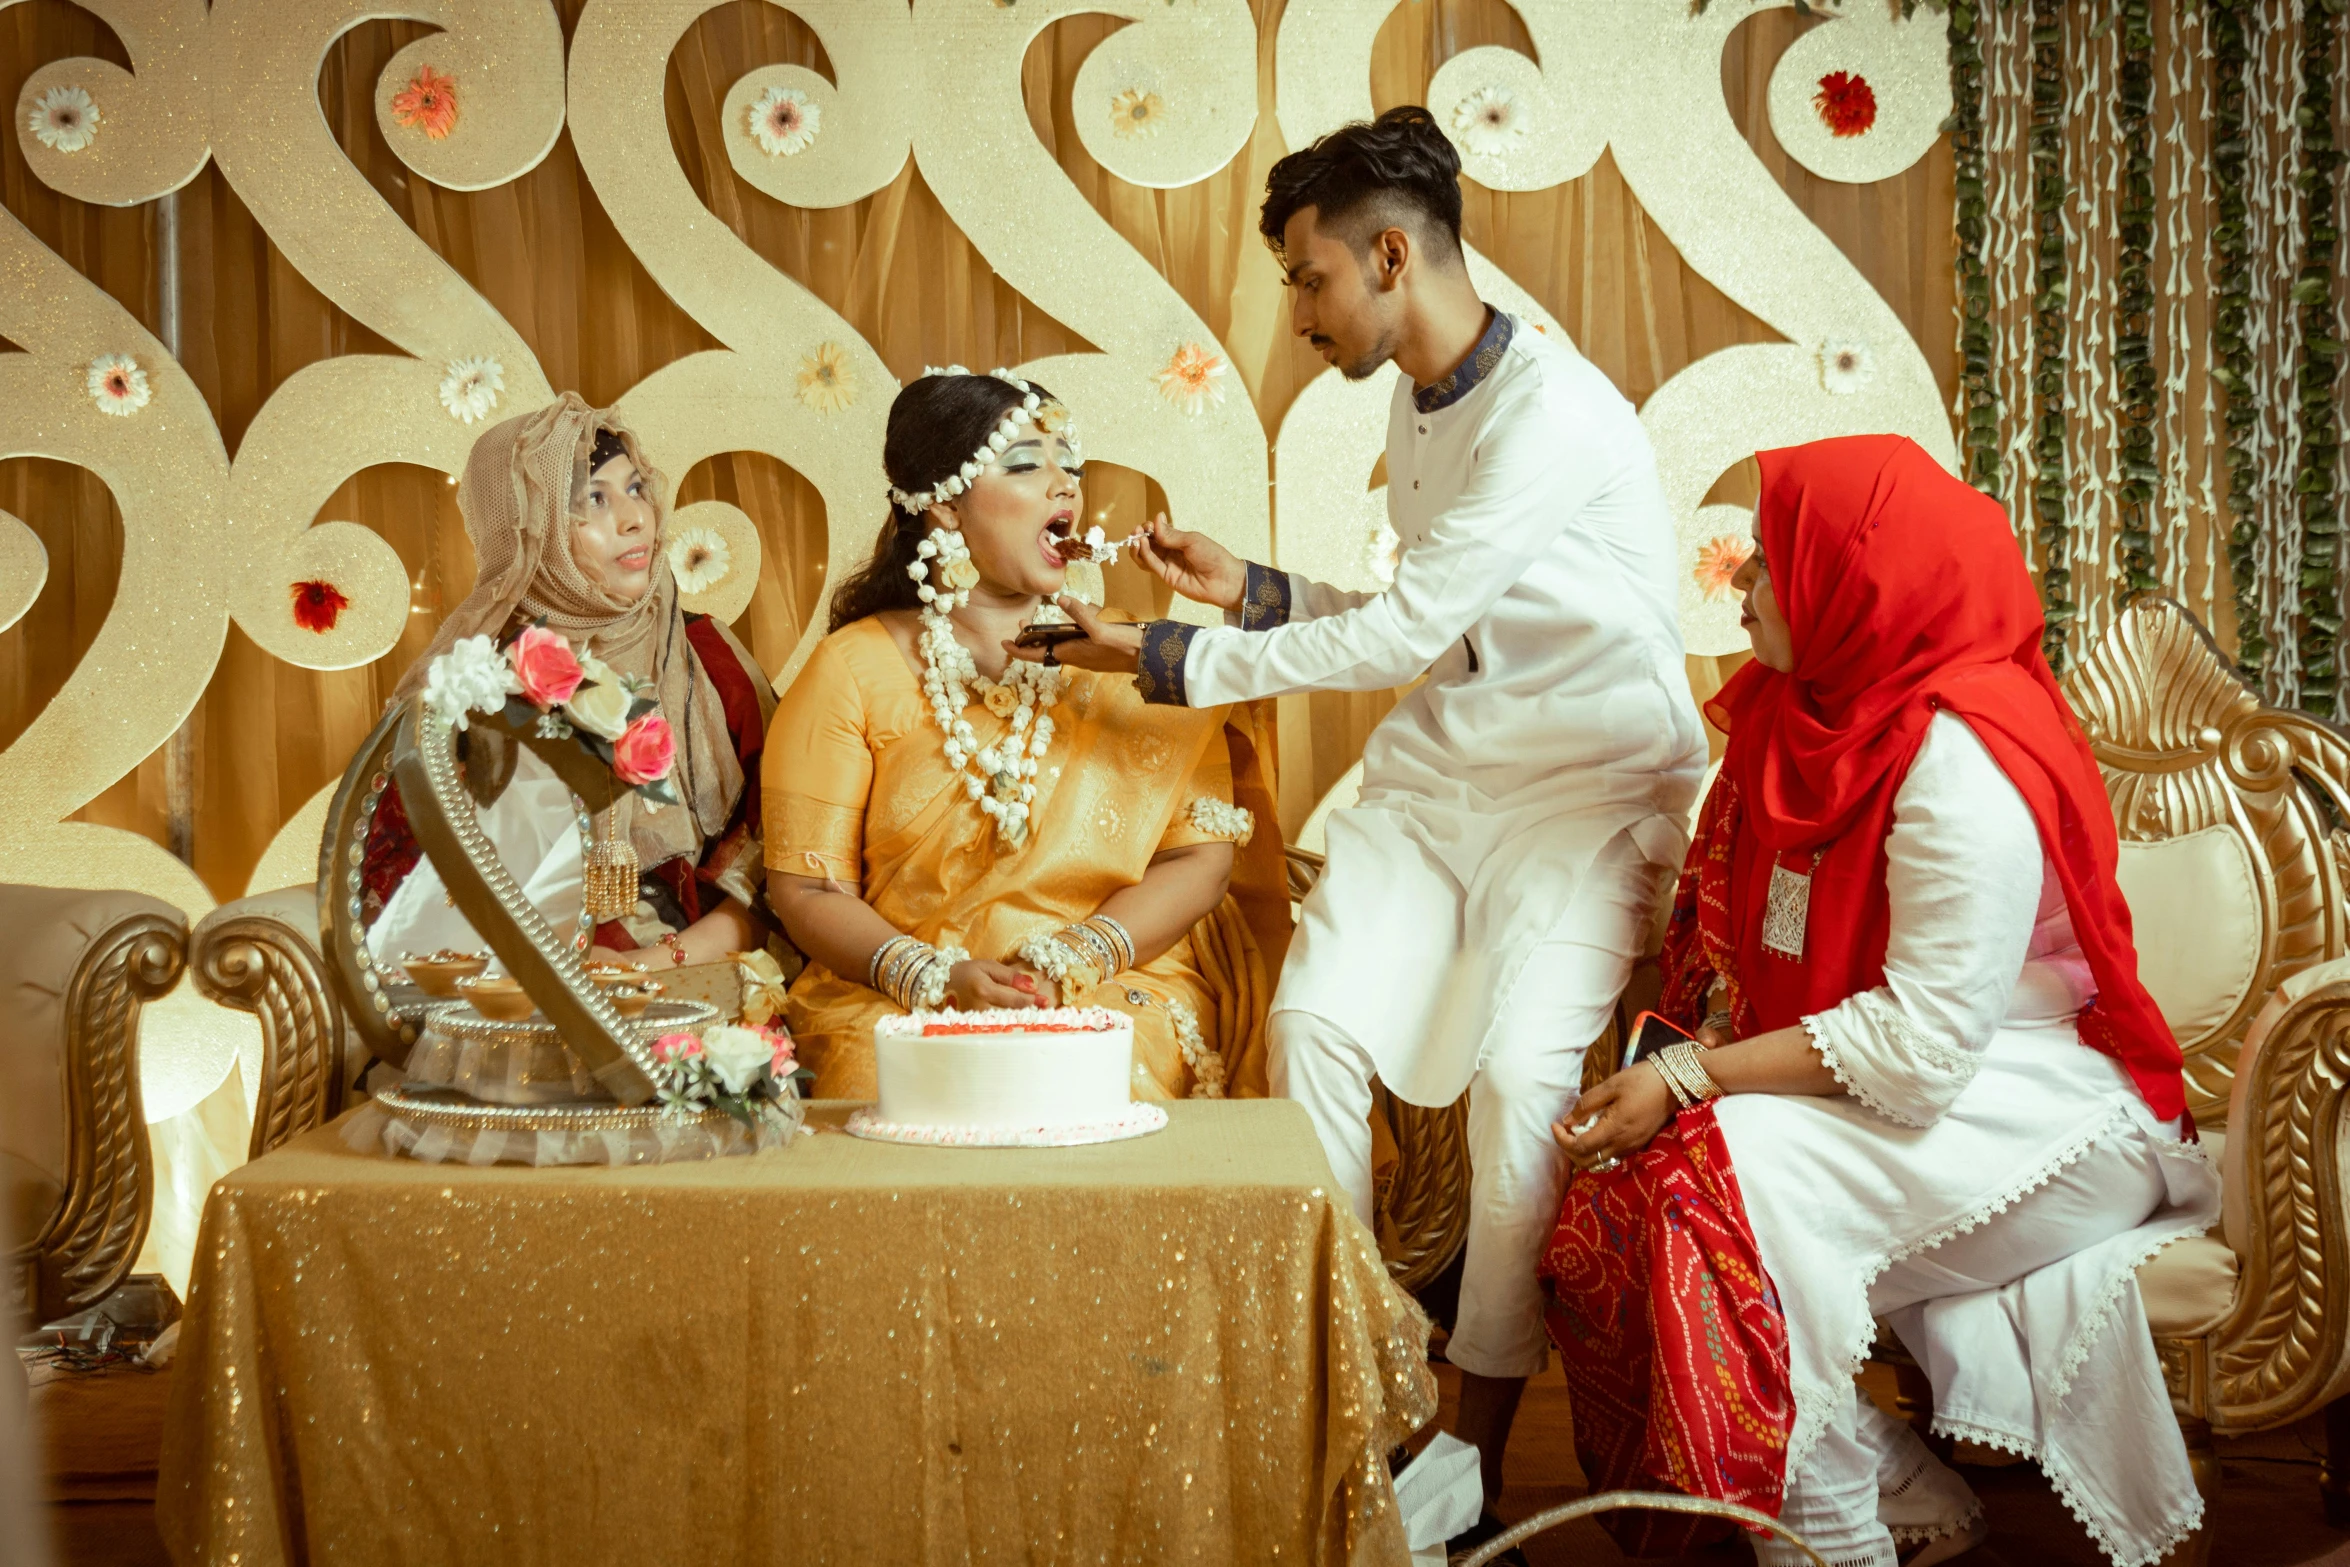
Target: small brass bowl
{"points": [[630, 1001], [440, 973], [612, 975], [498, 997]]}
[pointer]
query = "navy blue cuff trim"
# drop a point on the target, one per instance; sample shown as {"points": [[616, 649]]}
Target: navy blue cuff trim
{"points": [[1264, 600], [1159, 675]]}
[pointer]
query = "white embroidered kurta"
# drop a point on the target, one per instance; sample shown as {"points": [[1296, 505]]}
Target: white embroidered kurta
{"points": [[1535, 590], [1969, 1091]]}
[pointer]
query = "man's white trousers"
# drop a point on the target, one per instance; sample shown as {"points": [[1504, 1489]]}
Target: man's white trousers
{"points": [[1527, 1079]]}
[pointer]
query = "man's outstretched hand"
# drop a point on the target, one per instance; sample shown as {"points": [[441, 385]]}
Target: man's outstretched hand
{"points": [[1112, 648], [1193, 564]]}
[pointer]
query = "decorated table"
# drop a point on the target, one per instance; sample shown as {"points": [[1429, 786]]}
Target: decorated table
{"points": [[1178, 1348]]}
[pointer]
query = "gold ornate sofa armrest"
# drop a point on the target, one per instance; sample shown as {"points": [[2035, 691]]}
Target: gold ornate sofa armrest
{"points": [[2283, 1348], [260, 955], [76, 968]]}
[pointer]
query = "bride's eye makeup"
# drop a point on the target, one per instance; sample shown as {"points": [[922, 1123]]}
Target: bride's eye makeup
{"points": [[1028, 456]]}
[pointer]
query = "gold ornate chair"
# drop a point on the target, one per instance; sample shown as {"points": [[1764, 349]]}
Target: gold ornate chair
{"points": [[76, 967], [259, 955], [2237, 868]]}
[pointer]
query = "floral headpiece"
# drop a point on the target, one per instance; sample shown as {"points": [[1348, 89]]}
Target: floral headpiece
{"points": [[1049, 418]]}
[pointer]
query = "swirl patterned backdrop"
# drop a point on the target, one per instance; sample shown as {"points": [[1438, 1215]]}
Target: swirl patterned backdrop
{"points": [[270, 266]]}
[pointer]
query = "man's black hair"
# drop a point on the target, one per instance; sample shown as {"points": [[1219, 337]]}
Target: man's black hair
{"points": [[1369, 176]]}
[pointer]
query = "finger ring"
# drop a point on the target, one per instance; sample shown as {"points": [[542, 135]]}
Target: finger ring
{"points": [[1611, 1162]]}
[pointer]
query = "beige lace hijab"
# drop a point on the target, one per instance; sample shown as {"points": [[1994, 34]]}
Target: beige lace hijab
{"points": [[522, 484]]}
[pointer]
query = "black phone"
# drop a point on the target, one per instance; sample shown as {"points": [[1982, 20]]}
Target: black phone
{"points": [[1650, 1034], [1048, 635]]}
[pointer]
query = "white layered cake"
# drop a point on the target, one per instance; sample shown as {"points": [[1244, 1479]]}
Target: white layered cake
{"points": [[1026, 1078]]}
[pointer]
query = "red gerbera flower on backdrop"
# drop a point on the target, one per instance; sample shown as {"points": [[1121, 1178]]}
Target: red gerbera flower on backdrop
{"points": [[1847, 103], [318, 605], [428, 103]]}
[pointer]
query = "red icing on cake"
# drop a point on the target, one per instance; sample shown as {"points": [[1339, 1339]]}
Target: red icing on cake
{"points": [[930, 1030]]}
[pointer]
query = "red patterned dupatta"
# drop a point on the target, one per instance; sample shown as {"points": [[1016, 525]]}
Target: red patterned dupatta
{"points": [[1674, 1344]]}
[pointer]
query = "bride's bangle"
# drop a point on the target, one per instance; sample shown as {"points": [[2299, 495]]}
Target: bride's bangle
{"points": [[1064, 962], [912, 972], [1095, 945], [1120, 939]]}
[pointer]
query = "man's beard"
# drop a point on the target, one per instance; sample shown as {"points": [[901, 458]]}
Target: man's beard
{"points": [[1364, 368]]}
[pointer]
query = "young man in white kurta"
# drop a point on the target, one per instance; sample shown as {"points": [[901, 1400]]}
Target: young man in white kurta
{"points": [[1485, 898]]}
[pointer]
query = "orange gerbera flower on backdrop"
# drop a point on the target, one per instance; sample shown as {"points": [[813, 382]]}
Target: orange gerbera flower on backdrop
{"points": [[428, 103], [1718, 561]]}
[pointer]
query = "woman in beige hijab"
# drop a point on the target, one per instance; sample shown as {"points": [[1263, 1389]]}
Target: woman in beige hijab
{"points": [[568, 521]]}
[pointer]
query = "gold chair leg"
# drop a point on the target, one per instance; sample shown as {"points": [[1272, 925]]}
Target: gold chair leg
{"points": [[2333, 1481]]}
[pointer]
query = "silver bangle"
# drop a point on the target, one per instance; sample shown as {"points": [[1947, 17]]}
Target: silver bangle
{"points": [[1672, 1081], [1680, 1061]]}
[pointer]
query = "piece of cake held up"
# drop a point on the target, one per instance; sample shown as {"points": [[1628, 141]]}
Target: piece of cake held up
{"points": [[1094, 545]]}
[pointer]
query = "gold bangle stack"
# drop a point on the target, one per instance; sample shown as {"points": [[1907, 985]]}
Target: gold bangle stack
{"points": [[1102, 941], [911, 972], [1685, 1075]]}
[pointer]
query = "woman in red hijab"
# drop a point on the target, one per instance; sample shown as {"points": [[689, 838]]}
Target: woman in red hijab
{"points": [[1938, 1094]]}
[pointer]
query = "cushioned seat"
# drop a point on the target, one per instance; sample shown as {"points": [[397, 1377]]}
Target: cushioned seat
{"points": [[2188, 1286]]}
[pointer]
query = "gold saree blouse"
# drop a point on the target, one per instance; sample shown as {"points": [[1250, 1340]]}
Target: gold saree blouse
{"points": [[856, 788]]}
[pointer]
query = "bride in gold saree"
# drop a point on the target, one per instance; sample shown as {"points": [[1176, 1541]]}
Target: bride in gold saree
{"points": [[947, 825]]}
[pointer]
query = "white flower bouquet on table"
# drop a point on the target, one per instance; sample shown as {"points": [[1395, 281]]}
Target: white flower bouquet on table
{"points": [[746, 1072]]}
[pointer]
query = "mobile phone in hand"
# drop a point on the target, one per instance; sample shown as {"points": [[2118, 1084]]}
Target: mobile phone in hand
{"points": [[1048, 635], [1650, 1034]]}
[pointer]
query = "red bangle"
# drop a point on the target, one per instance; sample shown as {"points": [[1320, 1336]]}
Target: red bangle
{"points": [[676, 945]]}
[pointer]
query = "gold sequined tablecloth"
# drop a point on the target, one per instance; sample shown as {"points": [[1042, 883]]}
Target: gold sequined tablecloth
{"points": [[1177, 1349]]}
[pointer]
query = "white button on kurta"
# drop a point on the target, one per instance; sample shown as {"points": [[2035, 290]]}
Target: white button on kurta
{"points": [[1535, 592]]}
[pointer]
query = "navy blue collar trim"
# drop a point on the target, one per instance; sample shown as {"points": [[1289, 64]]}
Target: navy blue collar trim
{"points": [[1471, 372]]}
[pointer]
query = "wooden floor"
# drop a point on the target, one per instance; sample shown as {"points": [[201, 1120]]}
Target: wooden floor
{"points": [[2268, 1515]]}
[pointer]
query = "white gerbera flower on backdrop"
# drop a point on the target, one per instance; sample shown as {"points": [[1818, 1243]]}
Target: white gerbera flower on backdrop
{"points": [[784, 121], [65, 119], [699, 559], [1846, 366], [1489, 121], [117, 385], [471, 388]]}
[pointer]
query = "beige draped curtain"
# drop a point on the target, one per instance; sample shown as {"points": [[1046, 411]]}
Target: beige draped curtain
{"points": [[267, 736]]}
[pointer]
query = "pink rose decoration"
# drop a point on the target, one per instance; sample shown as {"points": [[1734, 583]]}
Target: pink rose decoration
{"points": [[670, 1049], [784, 1061], [546, 666], [645, 751]]}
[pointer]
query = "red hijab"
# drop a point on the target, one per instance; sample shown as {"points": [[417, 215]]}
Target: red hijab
{"points": [[1906, 594]]}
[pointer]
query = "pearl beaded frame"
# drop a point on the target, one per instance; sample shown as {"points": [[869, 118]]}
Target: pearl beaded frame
{"points": [[1032, 404]]}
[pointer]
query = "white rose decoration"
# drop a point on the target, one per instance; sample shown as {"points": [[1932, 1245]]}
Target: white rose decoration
{"points": [[472, 677], [736, 1055], [600, 705]]}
